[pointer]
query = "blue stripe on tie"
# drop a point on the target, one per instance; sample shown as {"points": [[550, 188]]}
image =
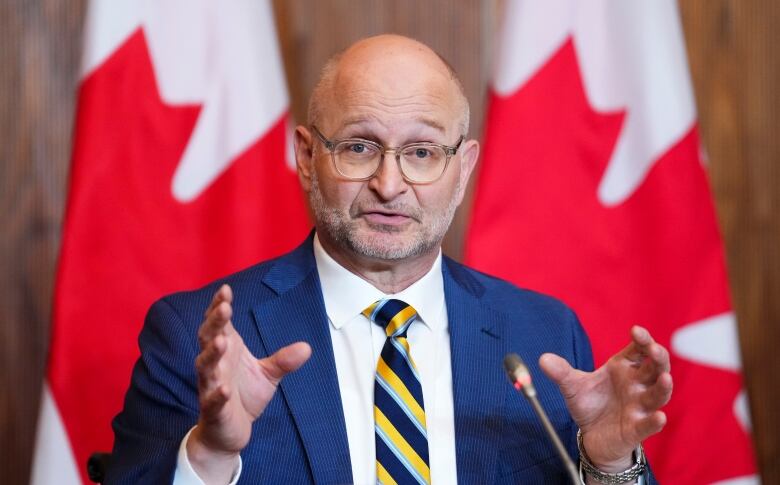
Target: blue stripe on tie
{"points": [[400, 348], [395, 462], [379, 306], [402, 421], [400, 366], [388, 402], [391, 392], [390, 462], [389, 309]]}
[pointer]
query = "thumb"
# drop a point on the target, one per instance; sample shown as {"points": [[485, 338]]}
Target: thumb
{"points": [[557, 369], [285, 360]]}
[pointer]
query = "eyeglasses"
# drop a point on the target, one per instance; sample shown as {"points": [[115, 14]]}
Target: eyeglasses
{"points": [[359, 159]]}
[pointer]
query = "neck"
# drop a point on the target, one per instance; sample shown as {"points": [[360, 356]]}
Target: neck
{"points": [[388, 276]]}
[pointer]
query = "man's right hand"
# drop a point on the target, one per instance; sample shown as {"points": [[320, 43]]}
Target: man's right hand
{"points": [[233, 389]]}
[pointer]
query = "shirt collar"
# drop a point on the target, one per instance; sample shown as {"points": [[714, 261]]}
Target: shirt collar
{"points": [[346, 294]]}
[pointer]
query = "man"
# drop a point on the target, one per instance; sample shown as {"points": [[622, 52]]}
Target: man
{"points": [[364, 355]]}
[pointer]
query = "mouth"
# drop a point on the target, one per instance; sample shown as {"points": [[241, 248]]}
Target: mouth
{"points": [[386, 218]]}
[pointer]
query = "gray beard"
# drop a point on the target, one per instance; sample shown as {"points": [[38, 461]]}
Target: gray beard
{"points": [[343, 229]]}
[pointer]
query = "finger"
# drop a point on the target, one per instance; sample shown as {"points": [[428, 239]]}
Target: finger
{"points": [[216, 318], [216, 323], [660, 356], [658, 394], [285, 360], [559, 371], [223, 293], [639, 348], [641, 336], [211, 403], [655, 363], [207, 361], [650, 425]]}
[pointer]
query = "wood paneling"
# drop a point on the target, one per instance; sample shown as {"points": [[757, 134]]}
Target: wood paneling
{"points": [[736, 71], [41, 44], [732, 48]]}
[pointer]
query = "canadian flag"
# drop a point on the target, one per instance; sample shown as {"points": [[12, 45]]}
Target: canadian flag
{"points": [[592, 189], [180, 174]]}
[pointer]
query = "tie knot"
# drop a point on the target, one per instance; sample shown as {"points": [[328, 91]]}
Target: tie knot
{"points": [[395, 316]]}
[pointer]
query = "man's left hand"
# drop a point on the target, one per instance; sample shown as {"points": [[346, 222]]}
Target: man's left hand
{"points": [[618, 405]]}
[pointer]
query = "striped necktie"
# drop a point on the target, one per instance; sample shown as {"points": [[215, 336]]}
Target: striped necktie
{"points": [[399, 412]]}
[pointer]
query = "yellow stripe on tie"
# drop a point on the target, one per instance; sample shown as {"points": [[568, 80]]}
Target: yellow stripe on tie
{"points": [[402, 445], [368, 311], [405, 344], [392, 379], [399, 319], [382, 476]]}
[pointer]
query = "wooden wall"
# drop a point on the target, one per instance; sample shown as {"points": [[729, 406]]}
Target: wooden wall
{"points": [[735, 67], [732, 49], [39, 58]]}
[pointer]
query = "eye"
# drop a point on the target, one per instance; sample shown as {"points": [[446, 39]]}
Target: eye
{"points": [[357, 148], [420, 152]]}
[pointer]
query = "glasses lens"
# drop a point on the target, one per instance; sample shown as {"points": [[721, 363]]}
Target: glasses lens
{"points": [[356, 159], [423, 162]]}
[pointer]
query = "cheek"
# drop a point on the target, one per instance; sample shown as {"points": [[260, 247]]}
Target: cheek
{"points": [[337, 193], [439, 195], [435, 200]]}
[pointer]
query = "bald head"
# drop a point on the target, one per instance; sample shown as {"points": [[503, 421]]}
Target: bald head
{"points": [[390, 67]]}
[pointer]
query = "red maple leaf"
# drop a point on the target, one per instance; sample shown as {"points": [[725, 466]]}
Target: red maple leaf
{"points": [[656, 259], [127, 241]]}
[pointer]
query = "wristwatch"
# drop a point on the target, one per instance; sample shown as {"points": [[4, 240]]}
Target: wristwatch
{"points": [[631, 474]]}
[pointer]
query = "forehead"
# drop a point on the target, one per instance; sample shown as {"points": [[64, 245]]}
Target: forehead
{"points": [[394, 87]]}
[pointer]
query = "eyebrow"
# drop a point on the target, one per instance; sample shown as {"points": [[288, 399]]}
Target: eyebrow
{"points": [[424, 120]]}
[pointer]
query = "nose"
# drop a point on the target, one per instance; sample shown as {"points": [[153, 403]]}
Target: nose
{"points": [[388, 182]]}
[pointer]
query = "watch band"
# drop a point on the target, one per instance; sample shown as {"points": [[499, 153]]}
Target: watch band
{"points": [[630, 474]]}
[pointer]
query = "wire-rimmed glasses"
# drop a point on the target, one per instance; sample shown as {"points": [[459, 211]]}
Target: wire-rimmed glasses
{"points": [[359, 159]]}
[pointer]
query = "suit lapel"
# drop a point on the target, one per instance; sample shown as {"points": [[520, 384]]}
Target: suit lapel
{"points": [[312, 393], [478, 382]]}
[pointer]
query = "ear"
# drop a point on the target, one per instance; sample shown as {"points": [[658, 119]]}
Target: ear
{"points": [[468, 160], [303, 156]]}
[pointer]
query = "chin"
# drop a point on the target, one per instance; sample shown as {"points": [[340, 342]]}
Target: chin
{"points": [[389, 245]]}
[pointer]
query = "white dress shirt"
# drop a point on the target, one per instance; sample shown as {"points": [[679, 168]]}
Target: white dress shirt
{"points": [[346, 295]]}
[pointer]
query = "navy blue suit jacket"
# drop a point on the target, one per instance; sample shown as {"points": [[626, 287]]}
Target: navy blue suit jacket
{"points": [[301, 437]]}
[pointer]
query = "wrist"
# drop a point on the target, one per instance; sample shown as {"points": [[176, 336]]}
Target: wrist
{"points": [[613, 466], [604, 455], [612, 471], [210, 464]]}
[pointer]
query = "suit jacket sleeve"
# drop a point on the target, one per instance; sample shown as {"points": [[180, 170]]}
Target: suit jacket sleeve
{"points": [[161, 404]]}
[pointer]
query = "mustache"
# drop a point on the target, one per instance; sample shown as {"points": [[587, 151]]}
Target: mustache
{"points": [[387, 208]]}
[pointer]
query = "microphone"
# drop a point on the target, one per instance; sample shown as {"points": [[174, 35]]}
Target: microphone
{"points": [[520, 378]]}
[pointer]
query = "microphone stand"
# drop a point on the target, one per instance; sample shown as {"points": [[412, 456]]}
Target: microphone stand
{"points": [[520, 378]]}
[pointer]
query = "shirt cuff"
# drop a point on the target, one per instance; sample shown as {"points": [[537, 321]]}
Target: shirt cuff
{"points": [[185, 474]]}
